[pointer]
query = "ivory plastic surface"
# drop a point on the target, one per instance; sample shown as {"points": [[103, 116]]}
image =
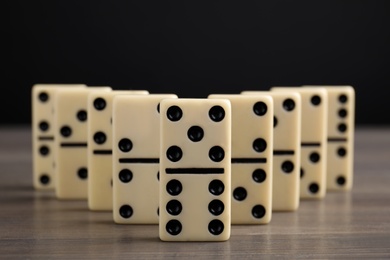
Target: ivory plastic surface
{"points": [[71, 141], [341, 126], [197, 173], [100, 154], [287, 140], [313, 140], [247, 173], [42, 100], [136, 196]]}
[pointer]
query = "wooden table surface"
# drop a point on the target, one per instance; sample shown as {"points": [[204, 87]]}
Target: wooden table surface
{"points": [[35, 225]]}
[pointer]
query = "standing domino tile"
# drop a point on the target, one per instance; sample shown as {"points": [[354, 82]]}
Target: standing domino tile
{"points": [[313, 140], [341, 120], [286, 154], [42, 100], [136, 152], [195, 170], [252, 146], [100, 147], [71, 142]]}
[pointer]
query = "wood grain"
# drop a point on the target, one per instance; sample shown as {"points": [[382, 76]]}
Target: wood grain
{"points": [[35, 225]]}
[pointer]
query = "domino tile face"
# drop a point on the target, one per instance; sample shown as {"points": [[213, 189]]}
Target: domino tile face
{"points": [[195, 173], [313, 140], [286, 154], [136, 153], [100, 147], [341, 121], [43, 133], [252, 147], [71, 135]]}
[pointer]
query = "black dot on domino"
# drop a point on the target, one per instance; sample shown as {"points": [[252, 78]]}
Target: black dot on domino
{"points": [[66, 131], [259, 145], [289, 104], [125, 145], [343, 99], [340, 180], [174, 153], [287, 166], [258, 211], [341, 152], [173, 227], [342, 113], [125, 175], [99, 138], [314, 188], [259, 175], [217, 113], [275, 121], [342, 127], [216, 227], [174, 187], [44, 126], [82, 173], [158, 108], [174, 113], [216, 187], [302, 173], [216, 207], [99, 104], [126, 211], [195, 133], [314, 157], [216, 154], [158, 175], [240, 193], [315, 100], [260, 108], [82, 115], [43, 97], [44, 179], [44, 150], [174, 207]]}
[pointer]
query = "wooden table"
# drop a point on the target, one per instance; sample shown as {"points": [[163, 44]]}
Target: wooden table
{"points": [[352, 224]]}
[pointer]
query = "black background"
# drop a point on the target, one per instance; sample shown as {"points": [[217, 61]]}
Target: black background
{"points": [[194, 48]]}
